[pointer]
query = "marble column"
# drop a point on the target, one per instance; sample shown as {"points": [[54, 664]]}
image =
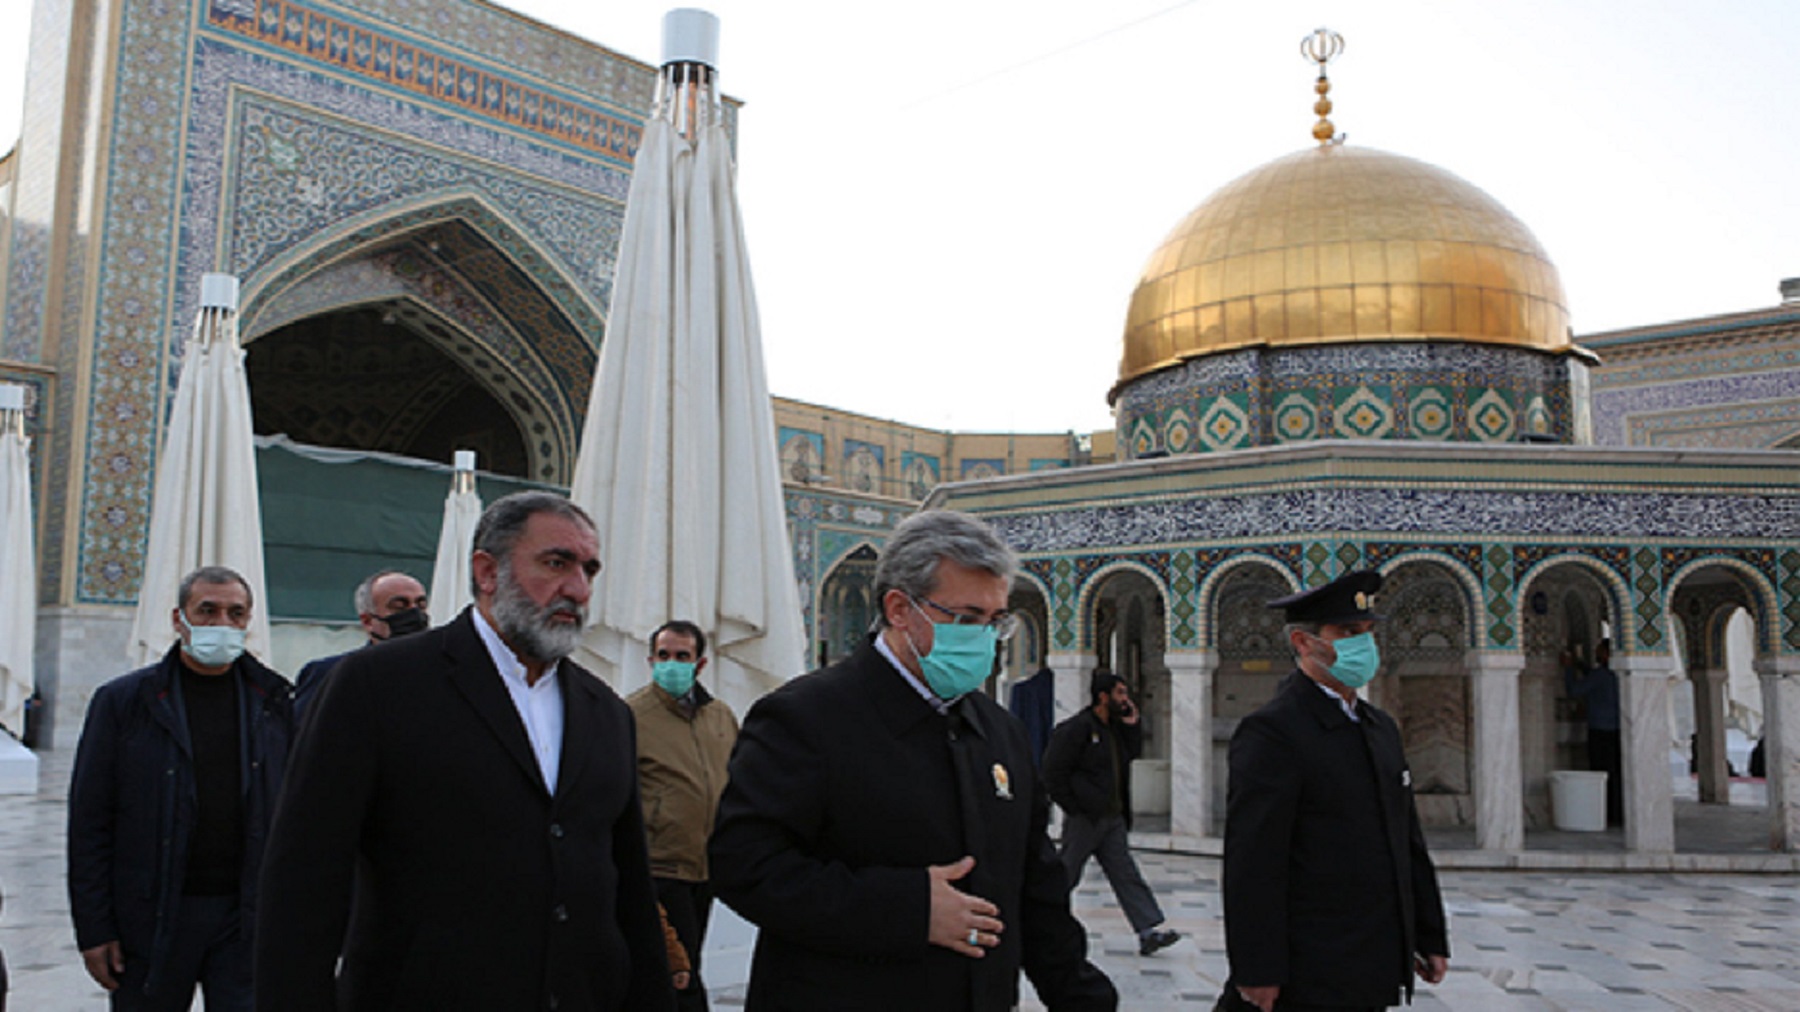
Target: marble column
{"points": [[1781, 746], [1072, 673], [1644, 716], [1499, 776], [1190, 742], [1709, 735]]}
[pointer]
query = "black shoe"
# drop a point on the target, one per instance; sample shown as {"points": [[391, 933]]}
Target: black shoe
{"points": [[1155, 940]]}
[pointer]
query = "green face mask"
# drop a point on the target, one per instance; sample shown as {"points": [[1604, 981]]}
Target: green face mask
{"points": [[675, 677], [961, 657], [1357, 660]]}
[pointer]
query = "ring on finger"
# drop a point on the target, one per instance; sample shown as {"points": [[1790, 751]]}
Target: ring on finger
{"points": [[974, 936]]}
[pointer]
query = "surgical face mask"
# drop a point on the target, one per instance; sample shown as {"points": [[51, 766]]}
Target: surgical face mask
{"points": [[212, 646], [961, 657], [405, 622], [1357, 659], [675, 677]]}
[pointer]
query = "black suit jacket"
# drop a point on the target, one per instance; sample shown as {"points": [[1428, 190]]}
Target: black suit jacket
{"points": [[476, 888], [1329, 891], [844, 786], [1087, 767]]}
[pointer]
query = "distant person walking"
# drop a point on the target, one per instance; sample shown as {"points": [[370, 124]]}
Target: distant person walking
{"points": [[1087, 769]]}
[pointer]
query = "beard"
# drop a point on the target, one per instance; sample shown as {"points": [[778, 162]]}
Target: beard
{"points": [[527, 626]]}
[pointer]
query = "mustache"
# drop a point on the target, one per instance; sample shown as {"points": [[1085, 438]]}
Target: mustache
{"points": [[565, 606]]}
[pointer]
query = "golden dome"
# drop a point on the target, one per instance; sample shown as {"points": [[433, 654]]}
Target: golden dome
{"points": [[1339, 244]]}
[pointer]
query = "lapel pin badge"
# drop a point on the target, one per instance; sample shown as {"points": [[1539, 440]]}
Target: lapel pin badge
{"points": [[1406, 778], [1002, 783]]}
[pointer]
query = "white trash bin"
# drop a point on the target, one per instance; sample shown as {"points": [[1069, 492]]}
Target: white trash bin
{"points": [[1578, 800]]}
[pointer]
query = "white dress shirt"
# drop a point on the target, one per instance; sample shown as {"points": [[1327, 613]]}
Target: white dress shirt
{"points": [[540, 706]]}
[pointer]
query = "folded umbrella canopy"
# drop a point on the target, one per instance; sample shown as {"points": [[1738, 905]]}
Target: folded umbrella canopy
{"points": [[206, 511], [450, 588], [678, 463], [18, 564]]}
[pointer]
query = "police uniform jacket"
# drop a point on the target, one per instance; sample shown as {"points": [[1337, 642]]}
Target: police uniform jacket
{"points": [[1329, 891], [476, 887], [845, 785]]}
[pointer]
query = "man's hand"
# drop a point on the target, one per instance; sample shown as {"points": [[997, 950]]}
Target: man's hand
{"points": [[954, 913], [105, 963], [1262, 997], [681, 980], [1431, 969], [1130, 714]]}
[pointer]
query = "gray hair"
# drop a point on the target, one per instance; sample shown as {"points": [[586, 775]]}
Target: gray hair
{"points": [[503, 523], [909, 560], [364, 598], [212, 574], [1310, 628]]}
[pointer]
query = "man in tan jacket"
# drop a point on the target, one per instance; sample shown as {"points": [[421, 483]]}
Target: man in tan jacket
{"points": [[684, 739]]}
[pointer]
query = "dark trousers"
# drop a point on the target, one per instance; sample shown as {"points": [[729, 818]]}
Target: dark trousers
{"points": [[1105, 840], [689, 905], [209, 950], [1604, 753]]}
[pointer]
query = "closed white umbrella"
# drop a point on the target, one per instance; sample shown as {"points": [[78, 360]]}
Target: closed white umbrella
{"points": [[678, 462], [450, 590], [18, 563], [206, 511]]}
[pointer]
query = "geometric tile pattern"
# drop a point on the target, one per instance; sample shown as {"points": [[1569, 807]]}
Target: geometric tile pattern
{"points": [[824, 525], [1225, 426], [1184, 585], [1491, 417], [1790, 597], [1497, 577], [1363, 412], [1429, 413], [1062, 615], [460, 85], [1647, 587], [1297, 418], [1442, 391]]}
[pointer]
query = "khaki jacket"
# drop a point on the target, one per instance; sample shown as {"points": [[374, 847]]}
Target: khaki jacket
{"points": [[681, 773]]}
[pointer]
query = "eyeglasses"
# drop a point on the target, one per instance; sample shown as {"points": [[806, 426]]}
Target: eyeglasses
{"points": [[1004, 624]]}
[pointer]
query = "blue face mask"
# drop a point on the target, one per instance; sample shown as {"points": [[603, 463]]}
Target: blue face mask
{"points": [[675, 677], [961, 657], [1357, 660], [212, 646]]}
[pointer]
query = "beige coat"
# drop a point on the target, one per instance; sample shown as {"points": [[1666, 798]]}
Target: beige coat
{"points": [[681, 773]]}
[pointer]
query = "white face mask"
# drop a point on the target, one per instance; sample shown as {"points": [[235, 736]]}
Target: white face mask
{"points": [[212, 646]]}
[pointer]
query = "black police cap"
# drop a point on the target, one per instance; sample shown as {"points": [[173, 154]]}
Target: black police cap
{"points": [[1349, 598]]}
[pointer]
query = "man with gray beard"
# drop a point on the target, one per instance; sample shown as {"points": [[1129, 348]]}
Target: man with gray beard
{"points": [[479, 790]]}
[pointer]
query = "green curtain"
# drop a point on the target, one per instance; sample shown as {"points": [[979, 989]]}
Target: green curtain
{"points": [[332, 517]]}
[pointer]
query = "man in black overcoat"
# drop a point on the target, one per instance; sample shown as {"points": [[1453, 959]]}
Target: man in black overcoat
{"points": [[884, 824], [480, 791], [1331, 901]]}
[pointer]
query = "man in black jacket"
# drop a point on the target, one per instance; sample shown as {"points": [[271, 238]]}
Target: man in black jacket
{"points": [[389, 604], [884, 824], [175, 779], [1087, 769], [476, 793], [1331, 900]]}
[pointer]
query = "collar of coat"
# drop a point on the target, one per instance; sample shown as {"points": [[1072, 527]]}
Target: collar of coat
{"points": [[897, 702]]}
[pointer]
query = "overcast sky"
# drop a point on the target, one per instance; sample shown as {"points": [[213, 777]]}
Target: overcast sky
{"points": [[949, 201]]}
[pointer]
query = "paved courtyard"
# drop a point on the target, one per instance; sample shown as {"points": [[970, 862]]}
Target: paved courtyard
{"points": [[1609, 942]]}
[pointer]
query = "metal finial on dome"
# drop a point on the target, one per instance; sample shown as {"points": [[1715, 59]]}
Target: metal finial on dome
{"points": [[1321, 47]]}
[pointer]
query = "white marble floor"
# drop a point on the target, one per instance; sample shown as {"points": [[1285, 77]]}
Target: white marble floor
{"points": [[1524, 941]]}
